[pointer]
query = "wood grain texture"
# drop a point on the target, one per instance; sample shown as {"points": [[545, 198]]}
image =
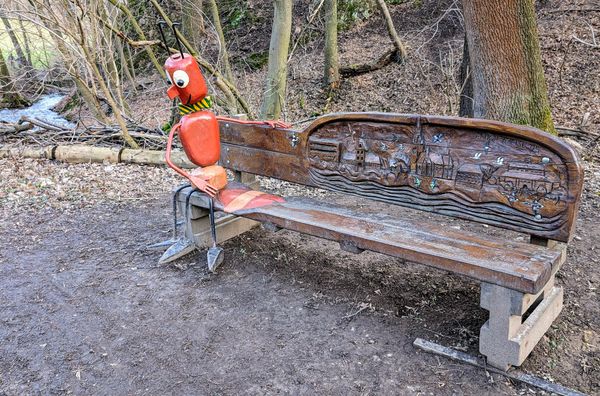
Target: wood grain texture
{"points": [[520, 266], [490, 172]]}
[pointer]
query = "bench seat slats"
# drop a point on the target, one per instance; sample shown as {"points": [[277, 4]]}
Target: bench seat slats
{"points": [[520, 266]]}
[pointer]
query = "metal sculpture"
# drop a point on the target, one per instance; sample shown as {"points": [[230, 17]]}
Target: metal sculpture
{"points": [[198, 131]]}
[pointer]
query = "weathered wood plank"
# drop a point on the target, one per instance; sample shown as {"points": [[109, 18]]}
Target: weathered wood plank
{"points": [[520, 266], [494, 173]]}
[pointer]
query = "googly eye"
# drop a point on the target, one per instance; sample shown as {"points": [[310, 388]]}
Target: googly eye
{"points": [[181, 78]]}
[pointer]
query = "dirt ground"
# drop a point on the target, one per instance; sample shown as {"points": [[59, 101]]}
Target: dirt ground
{"points": [[85, 309]]}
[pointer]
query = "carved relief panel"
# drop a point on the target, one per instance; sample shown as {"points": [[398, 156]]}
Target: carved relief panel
{"points": [[474, 173]]}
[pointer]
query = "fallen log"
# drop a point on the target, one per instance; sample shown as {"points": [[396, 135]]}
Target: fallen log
{"points": [[89, 154], [357, 69], [579, 132], [81, 154], [27, 152], [15, 128], [40, 123]]}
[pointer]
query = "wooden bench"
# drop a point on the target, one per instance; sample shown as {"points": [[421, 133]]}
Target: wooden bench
{"points": [[502, 175]]}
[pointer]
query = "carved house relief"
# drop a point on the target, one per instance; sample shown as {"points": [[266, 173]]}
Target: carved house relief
{"points": [[414, 165]]}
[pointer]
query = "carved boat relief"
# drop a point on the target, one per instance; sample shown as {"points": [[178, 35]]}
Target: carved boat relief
{"points": [[463, 172]]}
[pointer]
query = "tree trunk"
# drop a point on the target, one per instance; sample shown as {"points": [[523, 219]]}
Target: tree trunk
{"points": [[214, 11], [466, 82], [332, 60], [140, 32], [21, 58], [278, 51], [193, 21], [400, 48], [504, 51], [125, 65], [10, 98], [26, 42], [106, 58]]}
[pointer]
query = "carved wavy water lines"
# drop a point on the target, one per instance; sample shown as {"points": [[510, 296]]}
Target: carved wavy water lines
{"points": [[444, 203]]}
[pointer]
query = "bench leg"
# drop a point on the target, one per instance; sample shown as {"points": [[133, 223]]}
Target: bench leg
{"points": [[228, 226], [506, 339], [197, 225]]}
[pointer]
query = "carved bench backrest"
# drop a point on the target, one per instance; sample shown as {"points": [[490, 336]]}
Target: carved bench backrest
{"points": [[490, 172]]}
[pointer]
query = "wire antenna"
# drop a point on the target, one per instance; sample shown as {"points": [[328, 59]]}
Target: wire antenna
{"points": [[162, 34], [174, 27]]}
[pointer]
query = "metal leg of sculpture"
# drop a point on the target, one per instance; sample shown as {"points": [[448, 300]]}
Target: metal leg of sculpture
{"points": [[173, 239], [215, 254], [182, 245]]}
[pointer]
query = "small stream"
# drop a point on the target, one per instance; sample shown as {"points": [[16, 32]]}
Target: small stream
{"points": [[41, 110]]}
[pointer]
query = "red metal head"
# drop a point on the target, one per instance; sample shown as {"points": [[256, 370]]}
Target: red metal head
{"points": [[187, 81]]}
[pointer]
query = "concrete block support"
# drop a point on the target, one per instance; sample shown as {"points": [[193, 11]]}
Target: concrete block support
{"points": [[506, 339], [228, 226], [197, 225]]}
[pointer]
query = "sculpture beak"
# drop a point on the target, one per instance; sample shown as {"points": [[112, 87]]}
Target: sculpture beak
{"points": [[172, 92]]}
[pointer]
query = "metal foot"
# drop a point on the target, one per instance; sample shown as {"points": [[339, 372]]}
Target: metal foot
{"points": [[182, 245], [176, 223], [179, 249], [215, 254], [214, 257]]}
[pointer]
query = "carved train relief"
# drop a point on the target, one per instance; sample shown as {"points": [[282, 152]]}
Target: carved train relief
{"points": [[479, 174]]}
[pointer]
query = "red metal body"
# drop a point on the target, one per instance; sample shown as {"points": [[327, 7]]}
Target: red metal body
{"points": [[198, 129], [200, 137]]}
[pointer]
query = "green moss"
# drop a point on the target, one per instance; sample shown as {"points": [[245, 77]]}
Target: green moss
{"points": [[235, 13], [302, 102], [527, 110], [256, 60], [545, 122], [352, 11]]}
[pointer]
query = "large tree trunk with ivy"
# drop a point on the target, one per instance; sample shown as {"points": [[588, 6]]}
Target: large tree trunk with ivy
{"points": [[332, 61], [10, 98], [506, 65], [278, 53]]}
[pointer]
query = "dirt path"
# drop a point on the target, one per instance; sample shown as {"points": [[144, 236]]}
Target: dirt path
{"points": [[85, 309]]}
